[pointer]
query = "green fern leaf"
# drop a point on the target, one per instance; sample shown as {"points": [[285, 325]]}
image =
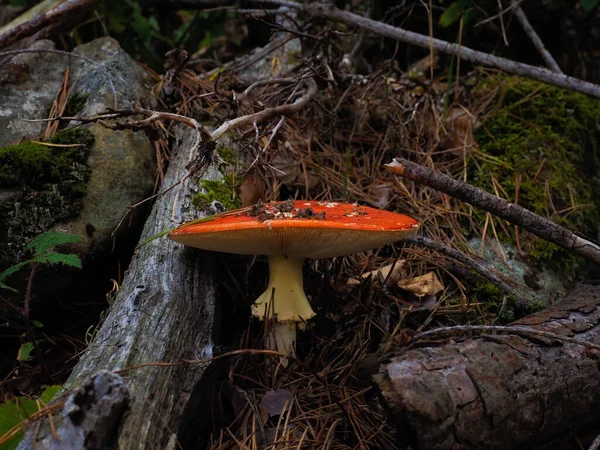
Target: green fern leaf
{"points": [[44, 241], [12, 269], [59, 258]]}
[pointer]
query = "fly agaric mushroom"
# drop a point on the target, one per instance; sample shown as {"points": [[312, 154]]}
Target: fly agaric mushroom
{"points": [[287, 233]]}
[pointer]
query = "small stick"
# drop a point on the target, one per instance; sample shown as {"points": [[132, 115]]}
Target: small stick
{"points": [[535, 39], [324, 11], [282, 110], [541, 227], [471, 263]]}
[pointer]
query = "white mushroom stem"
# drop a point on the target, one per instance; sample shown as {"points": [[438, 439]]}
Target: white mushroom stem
{"points": [[289, 307]]}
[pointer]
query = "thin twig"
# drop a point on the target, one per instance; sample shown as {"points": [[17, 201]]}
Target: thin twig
{"points": [[535, 39], [318, 9], [596, 444], [283, 110], [540, 226], [478, 267], [267, 82], [265, 148], [496, 16]]}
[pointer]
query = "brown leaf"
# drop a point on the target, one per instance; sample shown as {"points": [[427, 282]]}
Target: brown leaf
{"points": [[381, 195], [252, 189], [428, 284]]}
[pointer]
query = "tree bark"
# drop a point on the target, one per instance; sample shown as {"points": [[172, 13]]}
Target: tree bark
{"points": [[164, 311], [500, 391]]}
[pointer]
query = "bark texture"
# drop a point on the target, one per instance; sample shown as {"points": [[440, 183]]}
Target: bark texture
{"points": [[500, 391], [164, 311]]}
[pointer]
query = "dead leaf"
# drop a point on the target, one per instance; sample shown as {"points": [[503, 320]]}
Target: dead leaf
{"points": [[252, 189], [382, 194], [273, 402], [428, 284], [382, 273]]}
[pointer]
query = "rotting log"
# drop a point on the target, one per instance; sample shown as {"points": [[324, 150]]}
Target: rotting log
{"points": [[500, 391], [164, 311]]}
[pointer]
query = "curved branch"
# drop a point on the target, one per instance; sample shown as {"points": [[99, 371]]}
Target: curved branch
{"points": [[283, 110]]}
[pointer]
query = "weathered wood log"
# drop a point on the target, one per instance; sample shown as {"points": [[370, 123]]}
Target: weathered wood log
{"points": [[500, 391], [164, 311]]}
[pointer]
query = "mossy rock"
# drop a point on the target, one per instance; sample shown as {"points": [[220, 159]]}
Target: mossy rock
{"points": [[545, 140], [40, 185]]}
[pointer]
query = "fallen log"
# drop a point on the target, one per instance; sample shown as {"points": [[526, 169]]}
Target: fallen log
{"points": [[164, 311], [500, 391]]}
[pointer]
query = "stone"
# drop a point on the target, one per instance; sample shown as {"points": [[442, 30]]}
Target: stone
{"points": [[121, 163]]}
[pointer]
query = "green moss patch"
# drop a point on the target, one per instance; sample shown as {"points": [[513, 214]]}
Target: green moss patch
{"points": [[40, 186], [225, 191], [545, 140]]}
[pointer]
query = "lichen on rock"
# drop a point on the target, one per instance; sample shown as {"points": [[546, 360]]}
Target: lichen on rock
{"points": [[39, 186]]}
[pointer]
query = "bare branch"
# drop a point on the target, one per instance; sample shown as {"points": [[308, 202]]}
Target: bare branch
{"points": [[535, 39], [283, 110], [541, 227], [267, 82], [318, 9], [51, 19]]}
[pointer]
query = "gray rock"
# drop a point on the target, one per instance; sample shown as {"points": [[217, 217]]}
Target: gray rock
{"points": [[121, 162], [28, 84]]}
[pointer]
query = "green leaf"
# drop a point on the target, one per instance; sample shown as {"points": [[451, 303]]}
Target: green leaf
{"points": [[25, 351], [12, 269], [44, 241], [8, 288], [18, 409], [588, 5], [59, 258], [37, 324], [453, 12]]}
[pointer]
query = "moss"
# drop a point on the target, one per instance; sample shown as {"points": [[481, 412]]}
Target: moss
{"points": [[43, 185], [75, 104], [546, 140], [226, 154], [534, 307], [225, 191], [491, 300]]}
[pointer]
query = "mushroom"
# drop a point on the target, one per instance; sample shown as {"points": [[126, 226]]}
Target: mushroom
{"points": [[287, 233]]}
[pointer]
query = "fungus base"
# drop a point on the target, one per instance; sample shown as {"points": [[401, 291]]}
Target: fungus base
{"points": [[285, 300]]}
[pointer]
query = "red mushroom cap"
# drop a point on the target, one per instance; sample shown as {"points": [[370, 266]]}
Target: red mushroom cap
{"points": [[301, 228]]}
